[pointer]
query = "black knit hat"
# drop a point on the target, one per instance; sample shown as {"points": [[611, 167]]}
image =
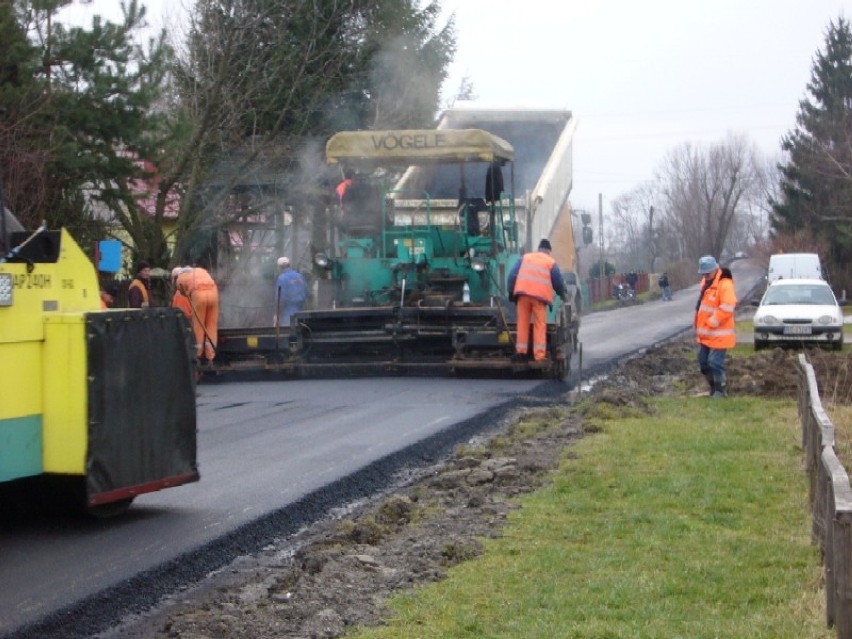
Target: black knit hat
{"points": [[545, 244], [143, 264]]}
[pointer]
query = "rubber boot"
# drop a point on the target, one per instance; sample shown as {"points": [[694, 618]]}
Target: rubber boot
{"points": [[720, 386], [710, 380]]}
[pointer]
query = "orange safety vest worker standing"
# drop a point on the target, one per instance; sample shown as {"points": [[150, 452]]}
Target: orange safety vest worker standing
{"points": [[197, 285], [714, 323], [139, 291], [532, 282]]}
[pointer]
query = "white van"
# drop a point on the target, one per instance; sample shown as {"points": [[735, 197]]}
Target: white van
{"points": [[794, 265]]}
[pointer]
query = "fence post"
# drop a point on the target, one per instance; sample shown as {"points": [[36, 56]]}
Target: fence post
{"points": [[838, 549], [842, 590], [802, 397], [831, 502]]}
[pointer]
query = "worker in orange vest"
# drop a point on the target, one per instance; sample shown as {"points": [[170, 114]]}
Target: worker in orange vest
{"points": [[109, 292], [197, 285], [714, 323], [139, 292], [532, 282]]}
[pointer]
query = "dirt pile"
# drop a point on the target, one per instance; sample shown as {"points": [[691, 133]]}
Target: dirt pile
{"points": [[340, 572]]}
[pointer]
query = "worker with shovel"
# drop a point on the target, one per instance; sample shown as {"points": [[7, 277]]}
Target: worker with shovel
{"points": [[198, 286]]}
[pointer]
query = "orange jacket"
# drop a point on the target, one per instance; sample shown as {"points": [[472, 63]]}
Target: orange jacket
{"points": [[181, 301], [195, 279], [714, 317], [534, 277], [141, 286]]}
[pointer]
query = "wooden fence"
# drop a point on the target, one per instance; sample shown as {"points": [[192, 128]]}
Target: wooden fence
{"points": [[831, 501]]}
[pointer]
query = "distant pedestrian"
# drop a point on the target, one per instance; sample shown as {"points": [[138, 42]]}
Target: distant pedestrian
{"points": [[714, 323], [665, 289], [139, 293], [291, 293]]}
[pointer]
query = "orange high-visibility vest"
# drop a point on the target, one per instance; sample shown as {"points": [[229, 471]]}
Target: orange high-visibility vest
{"points": [[181, 301], [195, 279], [714, 319], [534, 277], [138, 284]]}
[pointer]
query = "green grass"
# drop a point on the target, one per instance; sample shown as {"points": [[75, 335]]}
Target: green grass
{"points": [[691, 522]]}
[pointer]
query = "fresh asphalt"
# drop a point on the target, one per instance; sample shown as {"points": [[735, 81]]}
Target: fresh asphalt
{"points": [[275, 456]]}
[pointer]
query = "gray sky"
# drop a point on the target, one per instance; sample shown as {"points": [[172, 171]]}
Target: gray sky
{"points": [[644, 77], [641, 77]]}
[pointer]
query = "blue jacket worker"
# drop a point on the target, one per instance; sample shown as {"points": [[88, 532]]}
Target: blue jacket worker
{"points": [[291, 292]]}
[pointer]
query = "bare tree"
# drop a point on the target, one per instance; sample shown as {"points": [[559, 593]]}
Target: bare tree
{"points": [[706, 189], [630, 227]]}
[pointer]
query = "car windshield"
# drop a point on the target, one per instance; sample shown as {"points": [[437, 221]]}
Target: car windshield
{"points": [[799, 294]]}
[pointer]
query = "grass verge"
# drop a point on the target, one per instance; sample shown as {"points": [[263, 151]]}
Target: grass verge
{"points": [[688, 522]]}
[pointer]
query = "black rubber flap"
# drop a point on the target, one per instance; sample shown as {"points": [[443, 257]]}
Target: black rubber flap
{"points": [[141, 389]]}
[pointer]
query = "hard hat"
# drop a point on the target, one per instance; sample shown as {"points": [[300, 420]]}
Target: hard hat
{"points": [[707, 264], [283, 261]]}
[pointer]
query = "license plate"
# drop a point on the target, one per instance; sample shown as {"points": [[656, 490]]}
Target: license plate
{"points": [[797, 330], [6, 285]]}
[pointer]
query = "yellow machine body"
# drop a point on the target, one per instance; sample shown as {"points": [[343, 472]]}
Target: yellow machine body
{"points": [[43, 360], [66, 367]]}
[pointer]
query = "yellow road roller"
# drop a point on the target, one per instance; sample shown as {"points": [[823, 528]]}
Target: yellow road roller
{"points": [[96, 406]]}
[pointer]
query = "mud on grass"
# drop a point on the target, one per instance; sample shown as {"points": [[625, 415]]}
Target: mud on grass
{"points": [[340, 572]]}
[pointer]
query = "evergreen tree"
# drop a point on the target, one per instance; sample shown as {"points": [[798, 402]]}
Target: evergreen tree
{"points": [[81, 132], [816, 182]]}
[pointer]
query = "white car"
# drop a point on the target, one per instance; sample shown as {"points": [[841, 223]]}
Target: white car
{"points": [[797, 311]]}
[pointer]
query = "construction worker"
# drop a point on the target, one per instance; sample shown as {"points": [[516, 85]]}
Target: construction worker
{"points": [[179, 300], [109, 292], [291, 292], [714, 323], [198, 286], [532, 282], [139, 293]]}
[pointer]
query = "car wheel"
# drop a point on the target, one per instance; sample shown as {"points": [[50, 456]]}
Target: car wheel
{"points": [[838, 345], [759, 344]]}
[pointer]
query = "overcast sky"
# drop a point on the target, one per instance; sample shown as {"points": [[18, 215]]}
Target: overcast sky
{"points": [[644, 77], [641, 77]]}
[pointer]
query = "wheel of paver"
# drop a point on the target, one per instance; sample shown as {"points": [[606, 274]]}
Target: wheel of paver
{"points": [[560, 368]]}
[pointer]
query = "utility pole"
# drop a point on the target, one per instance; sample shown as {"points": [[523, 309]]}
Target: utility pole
{"points": [[601, 240], [651, 238]]}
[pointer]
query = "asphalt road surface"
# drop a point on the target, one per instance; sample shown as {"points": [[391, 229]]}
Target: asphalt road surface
{"points": [[275, 456]]}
